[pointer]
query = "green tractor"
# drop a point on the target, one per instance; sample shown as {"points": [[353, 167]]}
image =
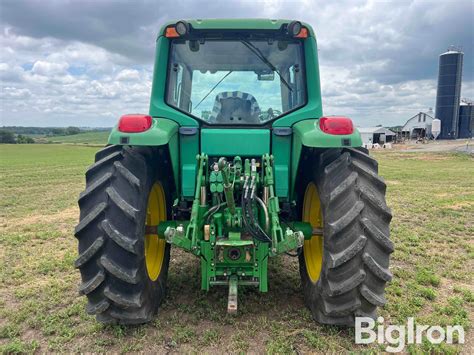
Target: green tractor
{"points": [[236, 164]]}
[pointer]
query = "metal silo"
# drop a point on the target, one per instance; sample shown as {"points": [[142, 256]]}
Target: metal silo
{"points": [[466, 120], [449, 91]]}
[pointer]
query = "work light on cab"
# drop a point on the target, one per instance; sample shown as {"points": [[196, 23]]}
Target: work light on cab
{"points": [[294, 27], [182, 27], [337, 125], [134, 123]]}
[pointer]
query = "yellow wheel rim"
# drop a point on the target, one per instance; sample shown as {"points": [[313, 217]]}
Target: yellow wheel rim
{"points": [[313, 248], [154, 246]]}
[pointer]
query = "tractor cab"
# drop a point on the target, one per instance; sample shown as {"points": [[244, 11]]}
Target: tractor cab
{"points": [[236, 79]]}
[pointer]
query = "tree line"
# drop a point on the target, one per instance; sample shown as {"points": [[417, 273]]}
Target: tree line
{"points": [[43, 131], [8, 137], [19, 135]]}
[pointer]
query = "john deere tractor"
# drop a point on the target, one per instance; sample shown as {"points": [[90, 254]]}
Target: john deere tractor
{"points": [[235, 163]]}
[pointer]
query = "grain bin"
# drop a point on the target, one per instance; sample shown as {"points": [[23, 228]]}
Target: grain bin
{"points": [[449, 91], [466, 120]]}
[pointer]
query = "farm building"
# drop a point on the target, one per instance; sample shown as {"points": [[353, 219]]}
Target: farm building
{"points": [[419, 126], [372, 135]]}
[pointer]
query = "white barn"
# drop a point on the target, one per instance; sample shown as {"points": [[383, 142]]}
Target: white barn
{"points": [[419, 126], [373, 135]]}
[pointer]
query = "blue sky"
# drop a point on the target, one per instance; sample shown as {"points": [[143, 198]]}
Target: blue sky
{"points": [[87, 62]]}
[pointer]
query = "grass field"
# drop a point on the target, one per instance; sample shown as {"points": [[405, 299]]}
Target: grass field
{"points": [[94, 137], [432, 198]]}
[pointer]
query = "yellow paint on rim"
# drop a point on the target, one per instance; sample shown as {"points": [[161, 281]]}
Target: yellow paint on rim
{"points": [[154, 246], [313, 248]]}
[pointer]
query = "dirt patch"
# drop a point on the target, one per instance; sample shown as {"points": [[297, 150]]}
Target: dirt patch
{"points": [[461, 205], [468, 347], [33, 335], [8, 301], [432, 157], [436, 146], [64, 215]]}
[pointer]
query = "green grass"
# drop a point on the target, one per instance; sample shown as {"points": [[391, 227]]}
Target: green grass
{"points": [[93, 137], [432, 198], [41, 179]]}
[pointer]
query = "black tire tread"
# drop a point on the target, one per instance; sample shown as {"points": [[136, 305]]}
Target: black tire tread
{"points": [[89, 218], [87, 255], [99, 307], [128, 210], [357, 244], [110, 234], [90, 285], [123, 241]]}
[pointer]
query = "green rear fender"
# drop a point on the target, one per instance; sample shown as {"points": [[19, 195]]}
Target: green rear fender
{"points": [[162, 132], [307, 133]]}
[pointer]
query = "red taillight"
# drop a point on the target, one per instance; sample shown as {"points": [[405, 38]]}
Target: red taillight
{"points": [[336, 125], [134, 123]]}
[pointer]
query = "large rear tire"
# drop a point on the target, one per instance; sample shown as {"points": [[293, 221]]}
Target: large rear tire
{"points": [[125, 189], [345, 270]]}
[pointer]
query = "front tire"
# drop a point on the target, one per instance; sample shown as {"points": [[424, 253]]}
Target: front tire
{"points": [[124, 191], [345, 270]]}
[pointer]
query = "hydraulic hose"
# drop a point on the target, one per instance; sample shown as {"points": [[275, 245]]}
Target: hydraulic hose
{"points": [[207, 216], [253, 227]]}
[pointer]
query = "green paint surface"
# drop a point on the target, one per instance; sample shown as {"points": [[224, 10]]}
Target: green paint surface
{"points": [[188, 149], [281, 151], [235, 141]]}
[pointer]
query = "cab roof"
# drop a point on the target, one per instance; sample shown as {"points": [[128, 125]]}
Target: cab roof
{"points": [[236, 24]]}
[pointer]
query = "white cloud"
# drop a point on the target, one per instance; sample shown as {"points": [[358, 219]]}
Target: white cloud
{"points": [[59, 83], [128, 75], [11, 73], [48, 68], [16, 94]]}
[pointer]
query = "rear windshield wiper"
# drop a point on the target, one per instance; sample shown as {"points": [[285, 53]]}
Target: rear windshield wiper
{"points": [[258, 53], [213, 88]]}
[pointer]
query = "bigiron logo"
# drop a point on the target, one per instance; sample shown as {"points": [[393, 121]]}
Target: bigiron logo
{"points": [[398, 336]]}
